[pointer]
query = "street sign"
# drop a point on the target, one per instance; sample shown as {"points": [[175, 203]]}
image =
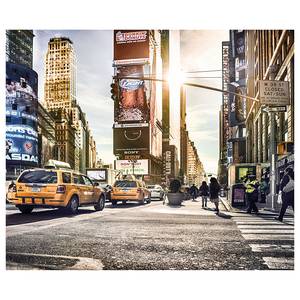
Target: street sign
{"points": [[274, 109], [274, 92]]}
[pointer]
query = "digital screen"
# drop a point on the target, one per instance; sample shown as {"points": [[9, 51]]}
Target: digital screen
{"points": [[21, 116], [99, 175]]}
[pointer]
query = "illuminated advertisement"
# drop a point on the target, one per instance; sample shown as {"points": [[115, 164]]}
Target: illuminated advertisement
{"points": [[21, 116], [241, 173], [131, 45], [135, 167], [131, 139], [132, 105], [97, 174]]}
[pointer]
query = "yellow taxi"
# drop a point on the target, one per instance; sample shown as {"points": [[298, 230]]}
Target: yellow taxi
{"points": [[129, 189], [55, 187]]}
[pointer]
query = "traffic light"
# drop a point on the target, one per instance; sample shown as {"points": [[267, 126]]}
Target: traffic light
{"points": [[114, 91]]}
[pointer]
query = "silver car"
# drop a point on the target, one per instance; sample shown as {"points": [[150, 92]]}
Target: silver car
{"points": [[156, 191]]}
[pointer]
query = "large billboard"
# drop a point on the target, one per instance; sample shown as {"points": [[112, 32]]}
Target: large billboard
{"points": [[135, 167], [21, 116], [132, 105], [131, 45], [131, 139]]}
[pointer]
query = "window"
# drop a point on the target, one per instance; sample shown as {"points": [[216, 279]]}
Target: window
{"points": [[38, 176], [66, 177], [87, 180], [125, 183], [78, 179]]}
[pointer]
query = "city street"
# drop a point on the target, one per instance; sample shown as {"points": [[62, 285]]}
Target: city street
{"points": [[151, 236]]}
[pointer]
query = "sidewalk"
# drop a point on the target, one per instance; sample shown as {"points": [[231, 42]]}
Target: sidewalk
{"points": [[260, 206]]}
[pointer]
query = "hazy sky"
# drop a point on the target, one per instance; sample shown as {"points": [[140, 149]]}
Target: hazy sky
{"points": [[201, 50]]}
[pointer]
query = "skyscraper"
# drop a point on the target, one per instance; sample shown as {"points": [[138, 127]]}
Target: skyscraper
{"points": [[60, 77], [19, 47], [60, 98]]}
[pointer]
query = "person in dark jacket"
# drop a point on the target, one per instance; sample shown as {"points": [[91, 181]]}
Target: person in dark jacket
{"points": [[204, 192], [287, 197], [193, 192], [214, 189]]}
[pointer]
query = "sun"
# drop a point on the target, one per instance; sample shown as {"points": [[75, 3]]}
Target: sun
{"points": [[176, 78]]}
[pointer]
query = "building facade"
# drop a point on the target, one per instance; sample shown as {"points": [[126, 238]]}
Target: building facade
{"points": [[269, 55], [19, 47], [60, 98]]}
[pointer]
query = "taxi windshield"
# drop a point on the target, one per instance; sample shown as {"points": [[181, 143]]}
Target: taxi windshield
{"points": [[125, 183], [38, 176]]}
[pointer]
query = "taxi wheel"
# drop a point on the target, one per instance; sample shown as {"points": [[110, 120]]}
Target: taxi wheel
{"points": [[148, 200], [100, 204], [73, 205], [25, 209]]}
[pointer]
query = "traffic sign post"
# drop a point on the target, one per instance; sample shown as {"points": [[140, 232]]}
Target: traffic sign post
{"points": [[275, 95]]}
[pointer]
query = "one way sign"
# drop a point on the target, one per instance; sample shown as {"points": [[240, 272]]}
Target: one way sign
{"points": [[268, 109]]}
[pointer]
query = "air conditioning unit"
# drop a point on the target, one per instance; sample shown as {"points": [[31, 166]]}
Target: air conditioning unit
{"points": [[285, 148]]}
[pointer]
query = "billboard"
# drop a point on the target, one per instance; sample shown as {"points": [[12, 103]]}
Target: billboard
{"points": [[236, 105], [131, 45], [97, 174], [131, 139], [239, 43], [21, 116], [136, 167], [132, 105]]}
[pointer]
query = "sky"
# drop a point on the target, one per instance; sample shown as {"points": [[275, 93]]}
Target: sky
{"points": [[200, 50]]}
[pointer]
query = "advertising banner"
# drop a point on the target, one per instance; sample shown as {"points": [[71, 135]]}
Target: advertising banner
{"points": [[21, 116], [136, 167], [131, 45], [97, 174], [236, 105], [131, 139], [132, 104], [239, 42], [21, 145]]}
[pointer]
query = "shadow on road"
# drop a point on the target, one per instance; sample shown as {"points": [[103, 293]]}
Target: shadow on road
{"points": [[36, 216], [121, 205]]}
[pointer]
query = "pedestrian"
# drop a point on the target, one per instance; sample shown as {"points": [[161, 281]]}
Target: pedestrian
{"points": [[287, 189], [251, 185], [193, 191], [214, 189], [204, 192]]}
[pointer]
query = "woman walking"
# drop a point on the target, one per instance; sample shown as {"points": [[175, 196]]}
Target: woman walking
{"points": [[204, 191], [214, 189]]}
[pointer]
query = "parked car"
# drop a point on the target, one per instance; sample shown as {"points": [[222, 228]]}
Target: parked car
{"points": [[55, 188], [156, 192], [129, 190]]}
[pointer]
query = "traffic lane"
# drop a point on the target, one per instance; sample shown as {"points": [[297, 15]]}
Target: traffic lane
{"points": [[15, 217], [137, 239]]}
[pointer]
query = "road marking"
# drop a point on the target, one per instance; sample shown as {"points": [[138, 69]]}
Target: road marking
{"points": [[279, 263], [84, 263], [266, 235], [14, 230]]}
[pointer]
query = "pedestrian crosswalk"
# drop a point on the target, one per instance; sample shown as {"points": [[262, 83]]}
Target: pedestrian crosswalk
{"points": [[269, 239]]}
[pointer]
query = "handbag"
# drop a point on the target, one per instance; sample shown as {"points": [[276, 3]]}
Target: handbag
{"points": [[289, 187], [279, 198]]}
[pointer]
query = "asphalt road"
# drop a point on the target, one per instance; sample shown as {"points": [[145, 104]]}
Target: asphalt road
{"points": [[148, 237]]}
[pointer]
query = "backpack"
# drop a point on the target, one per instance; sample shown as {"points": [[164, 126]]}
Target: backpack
{"points": [[289, 187]]}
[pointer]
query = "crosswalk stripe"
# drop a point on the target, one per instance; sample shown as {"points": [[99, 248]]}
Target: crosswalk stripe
{"points": [[270, 239], [279, 263]]}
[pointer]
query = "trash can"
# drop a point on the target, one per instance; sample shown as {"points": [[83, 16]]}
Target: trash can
{"points": [[238, 195]]}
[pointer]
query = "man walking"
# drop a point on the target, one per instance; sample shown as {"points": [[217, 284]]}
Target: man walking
{"points": [[251, 185], [287, 189], [193, 191]]}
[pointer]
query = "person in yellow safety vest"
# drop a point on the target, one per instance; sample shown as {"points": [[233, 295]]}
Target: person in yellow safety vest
{"points": [[251, 185]]}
